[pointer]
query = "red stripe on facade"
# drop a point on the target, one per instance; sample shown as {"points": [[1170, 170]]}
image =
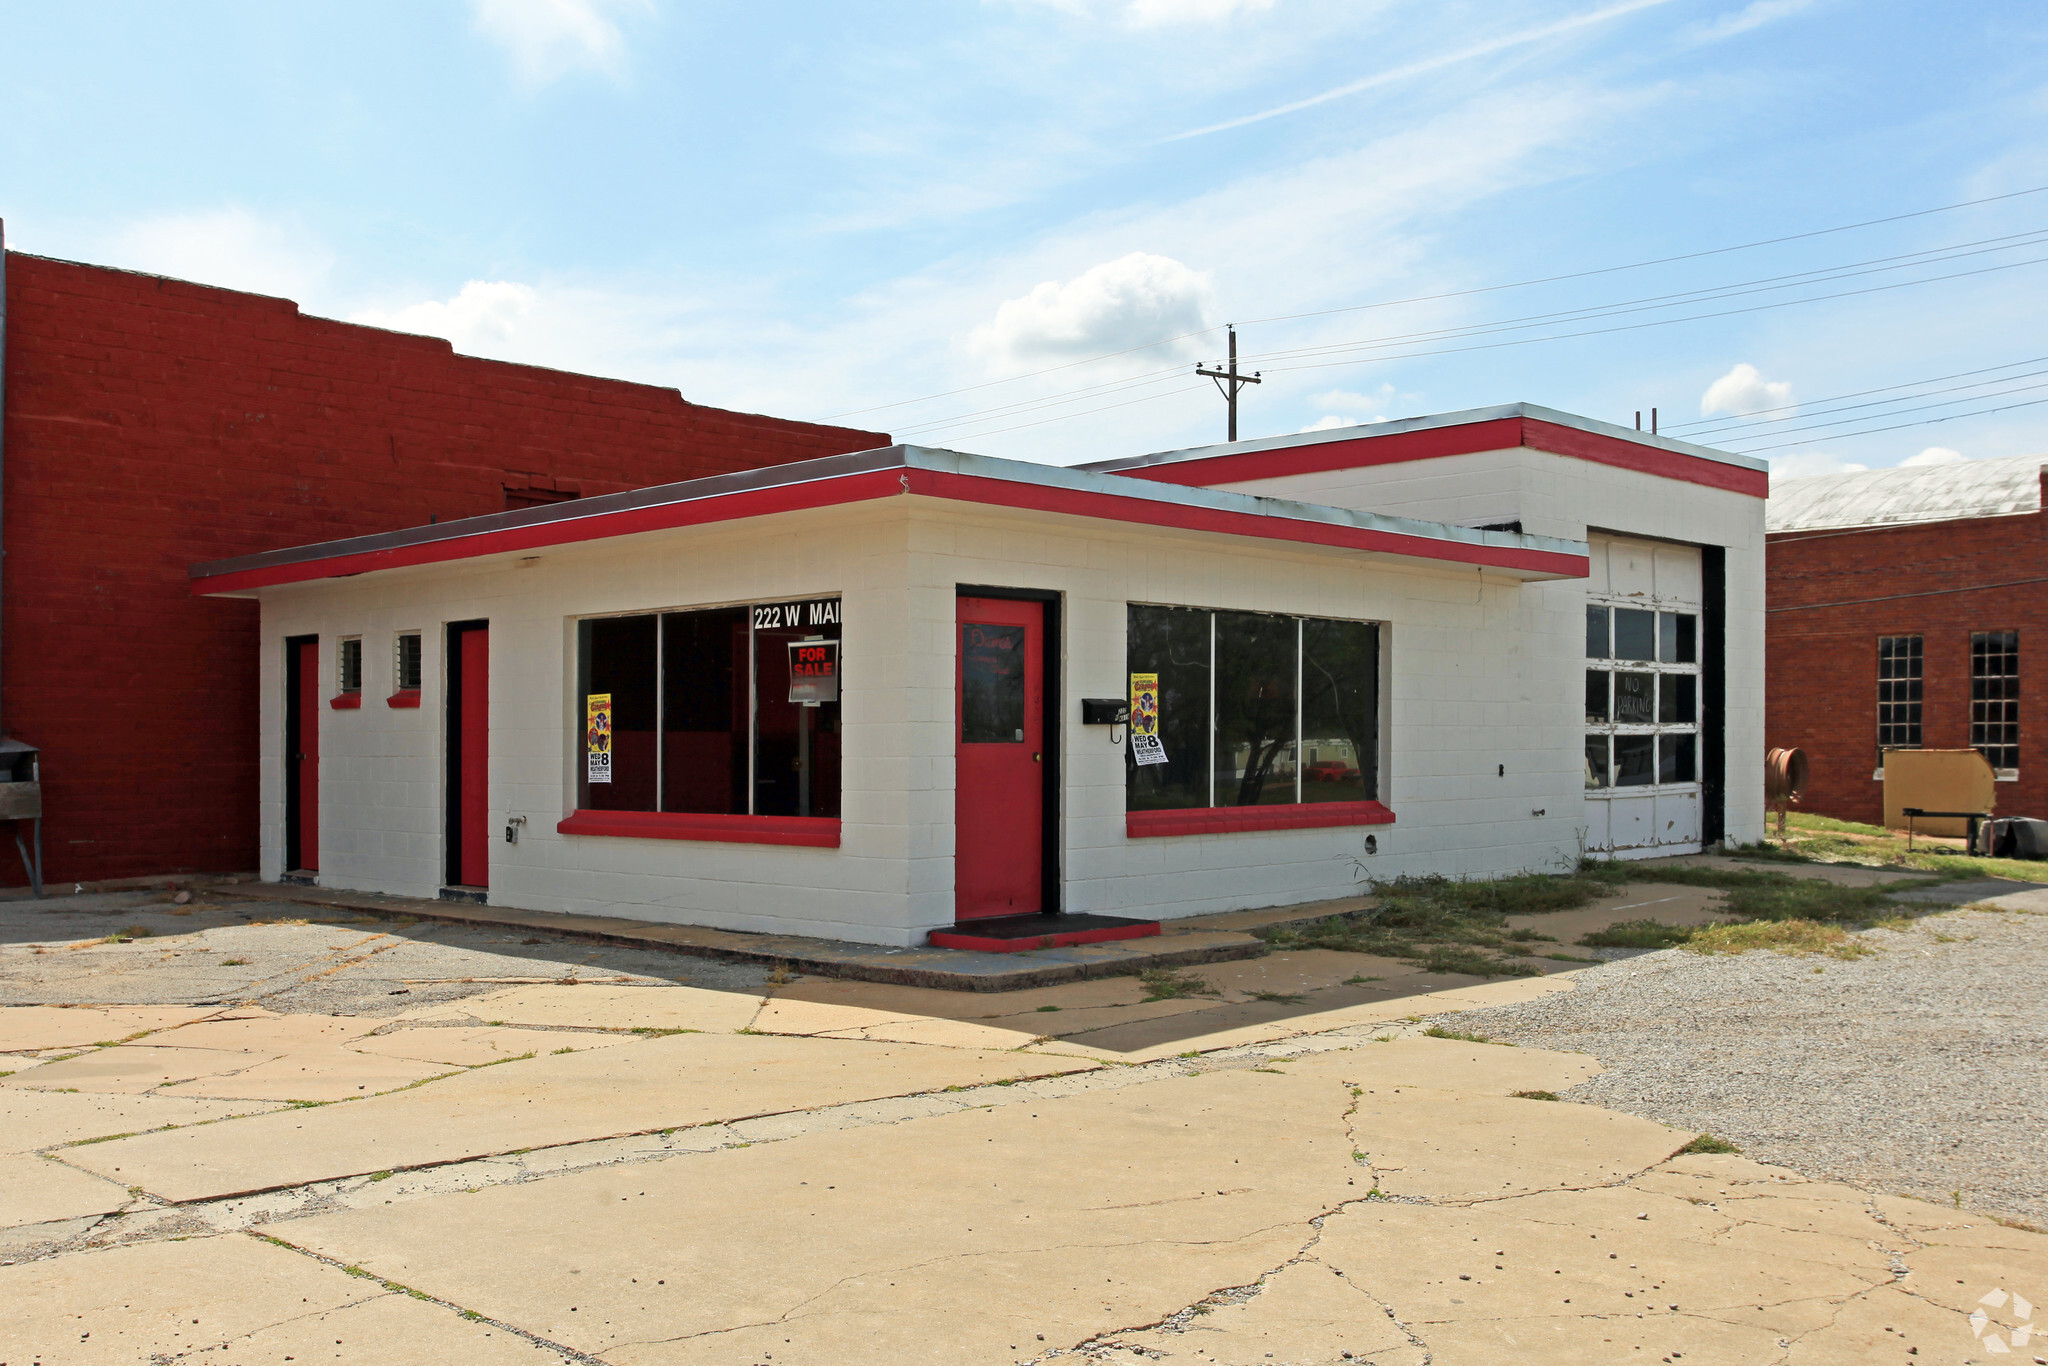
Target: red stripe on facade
{"points": [[820, 832], [1498, 434], [1046, 498], [1224, 820]]}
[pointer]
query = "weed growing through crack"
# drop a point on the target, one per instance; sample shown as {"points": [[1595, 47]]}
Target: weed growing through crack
{"points": [[1439, 1032], [1782, 936], [1043, 1009], [1707, 1143], [1637, 934], [1534, 1095], [1361, 981], [1164, 984], [234, 962], [1285, 998], [651, 1032]]}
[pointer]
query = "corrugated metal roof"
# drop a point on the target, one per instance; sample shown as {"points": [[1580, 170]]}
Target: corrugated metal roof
{"points": [[1911, 493]]}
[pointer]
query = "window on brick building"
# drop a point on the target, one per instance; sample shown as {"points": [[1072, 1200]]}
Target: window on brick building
{"points": [[348, 662], [723, 710], [1899, 677], [1995, 697], [1253, 709]]}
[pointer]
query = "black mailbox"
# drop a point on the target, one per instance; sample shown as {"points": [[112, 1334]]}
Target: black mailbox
{"points": [[1105, 711]]}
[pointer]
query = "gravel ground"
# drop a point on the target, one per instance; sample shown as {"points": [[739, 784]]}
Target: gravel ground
{"points": [[286, 958], [1922, 1070]]}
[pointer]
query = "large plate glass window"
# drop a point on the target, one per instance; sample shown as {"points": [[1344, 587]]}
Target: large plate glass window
{"points": [[1253, 709], [722, 710]]}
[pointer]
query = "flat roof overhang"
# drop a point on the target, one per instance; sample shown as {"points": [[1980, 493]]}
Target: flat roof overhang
{"points": [[1504, 427], [894, 472]]}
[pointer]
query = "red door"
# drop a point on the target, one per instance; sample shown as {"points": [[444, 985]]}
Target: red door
{"points": [[472, 823], [306, 752], [999, 806]]}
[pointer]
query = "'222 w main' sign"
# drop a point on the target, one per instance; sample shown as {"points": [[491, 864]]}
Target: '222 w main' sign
{"points": [[797, 616]]}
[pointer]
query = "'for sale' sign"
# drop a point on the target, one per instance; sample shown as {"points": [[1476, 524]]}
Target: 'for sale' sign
{"points": [[814, 671]]}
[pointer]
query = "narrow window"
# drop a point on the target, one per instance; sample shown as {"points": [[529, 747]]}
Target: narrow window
{"points": [[705, 686], [1899, 663], [1340, 691], [1596, 632], [1171, 644], [406, 667], [618, 696], [1995, 697], [1677, 638], [349, 664], [1255, 711], [1596, 696]]}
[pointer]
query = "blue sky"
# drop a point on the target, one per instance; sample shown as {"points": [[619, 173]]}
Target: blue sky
{"points": [[956, 209]]}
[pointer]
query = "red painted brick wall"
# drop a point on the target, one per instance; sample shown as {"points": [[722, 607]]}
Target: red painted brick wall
{"points": [[1831, 594], [151, 424]]}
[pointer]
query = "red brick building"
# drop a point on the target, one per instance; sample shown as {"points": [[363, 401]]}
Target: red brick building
{"points": [[1905, 607], [150, 424]]}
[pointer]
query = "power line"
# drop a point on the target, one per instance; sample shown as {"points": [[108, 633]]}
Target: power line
{"points": [[1458, 294], [1619, 308], [1900, 426], [1945, 403], [1836, 398], [1814, 410]]}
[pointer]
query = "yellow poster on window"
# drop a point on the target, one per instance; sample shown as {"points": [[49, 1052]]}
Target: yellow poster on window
{"points": [[597, 737], [1145, 745]]}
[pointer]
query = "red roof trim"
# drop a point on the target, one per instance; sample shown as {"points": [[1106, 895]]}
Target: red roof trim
{"points": [[821, 832], [1495, 434], [1048, 498], [854, 488], [1224, 820]]}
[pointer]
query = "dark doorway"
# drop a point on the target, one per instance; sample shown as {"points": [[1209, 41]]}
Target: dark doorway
{"points": [[469, 754], [302, 754]]}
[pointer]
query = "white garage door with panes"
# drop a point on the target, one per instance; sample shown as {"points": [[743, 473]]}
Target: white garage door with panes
{"points": [[1642, 698]]}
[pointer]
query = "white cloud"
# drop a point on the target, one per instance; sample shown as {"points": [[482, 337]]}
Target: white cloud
{"points": [[1744, 390], [1131, 301], [1349, 408], [1755, 15], [480, 319], [548, 39], [1936, 455], [230, 247], [1803, 463]]}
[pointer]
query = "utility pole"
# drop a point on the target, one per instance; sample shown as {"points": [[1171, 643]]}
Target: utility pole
{"points": [[1228, 381]]}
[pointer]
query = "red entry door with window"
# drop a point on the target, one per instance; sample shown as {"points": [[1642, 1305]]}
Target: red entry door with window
{"points": [[473, 766], [305, 742], [999, 807]]}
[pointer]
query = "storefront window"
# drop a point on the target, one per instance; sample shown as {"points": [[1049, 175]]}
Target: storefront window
{"points": [[745, 700], [1253, 709]]}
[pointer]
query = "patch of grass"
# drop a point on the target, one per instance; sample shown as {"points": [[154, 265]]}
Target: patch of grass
{"points": [[650, 1032], [1164, 984], [1636, 934], [126, 933], [1529, 936], [1043, 1009], [380, 1176], [1361, 981], [1472, 963], [1781, 936], [1439, 1032], [1285, 998], [234, 962], [1534, 1095], [1707, 1143], [1569, 958], [560, 1051]]}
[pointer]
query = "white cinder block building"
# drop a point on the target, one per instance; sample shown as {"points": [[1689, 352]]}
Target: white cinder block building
{"points": [[874, 696]]}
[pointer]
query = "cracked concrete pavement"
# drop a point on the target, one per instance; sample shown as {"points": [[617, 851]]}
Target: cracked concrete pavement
{"points": [[671, 1161]]}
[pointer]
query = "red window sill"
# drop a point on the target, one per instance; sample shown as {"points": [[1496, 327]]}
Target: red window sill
{"points": [[1223, 820], [818, 831], [410, 697], [347, 701]]}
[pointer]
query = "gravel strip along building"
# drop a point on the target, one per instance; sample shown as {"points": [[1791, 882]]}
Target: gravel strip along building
{"points": [[909, 692]]}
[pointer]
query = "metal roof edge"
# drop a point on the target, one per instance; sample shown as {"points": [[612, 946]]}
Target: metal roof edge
{"points": [[897, 457], [1463, 418]]}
